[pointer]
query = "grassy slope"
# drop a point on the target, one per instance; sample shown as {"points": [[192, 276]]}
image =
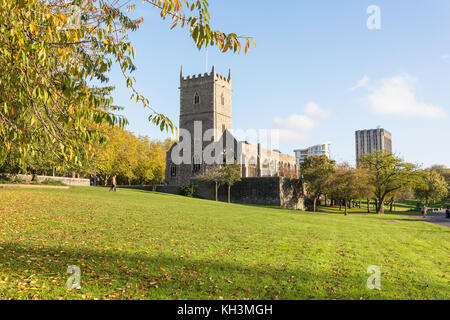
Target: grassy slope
{"points": [[135, 244]]}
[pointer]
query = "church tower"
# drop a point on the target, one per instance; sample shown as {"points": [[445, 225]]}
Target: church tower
{"points": [[207, 98]]}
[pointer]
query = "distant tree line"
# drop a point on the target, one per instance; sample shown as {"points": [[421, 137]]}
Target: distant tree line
{"points": [[381, 177], [133, 159], [136, 160]]}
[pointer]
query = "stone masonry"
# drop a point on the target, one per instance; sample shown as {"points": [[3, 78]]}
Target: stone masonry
{"points": [[206, 98]]}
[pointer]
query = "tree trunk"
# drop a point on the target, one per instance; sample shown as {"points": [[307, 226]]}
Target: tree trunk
{"points": [[340, 205], [33, 175], [217, 191], [391, 204], [106, 180], [314, 203], [380, 204], [345, 207], [368, 205], [229, 194]]}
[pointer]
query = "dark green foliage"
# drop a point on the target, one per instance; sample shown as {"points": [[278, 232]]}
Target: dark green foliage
{"points": [[188, 190]]}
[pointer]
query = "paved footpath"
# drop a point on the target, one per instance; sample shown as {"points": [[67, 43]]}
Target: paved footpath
{"points": [[28, 186], [438, 219]]}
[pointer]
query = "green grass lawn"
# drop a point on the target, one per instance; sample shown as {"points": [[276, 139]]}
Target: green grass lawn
{"points": [[141, 245]]}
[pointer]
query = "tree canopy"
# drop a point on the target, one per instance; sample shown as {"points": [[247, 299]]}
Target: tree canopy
{"points": [[388, 173], [213, 175], [230, 174], [135, 160], [431, 186], [55, 58], [316, 172], [347, 183]]}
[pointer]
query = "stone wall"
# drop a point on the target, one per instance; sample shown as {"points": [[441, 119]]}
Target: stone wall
{"points": [[65, 180], [292, 194], [168, 189], [268, 191]]}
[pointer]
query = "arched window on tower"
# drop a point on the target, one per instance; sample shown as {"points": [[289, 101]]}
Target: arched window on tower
{"points": [[222, 99], [196, 98], [196, 166]]}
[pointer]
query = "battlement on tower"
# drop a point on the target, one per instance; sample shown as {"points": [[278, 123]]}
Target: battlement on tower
{"points": [[212, 76]]}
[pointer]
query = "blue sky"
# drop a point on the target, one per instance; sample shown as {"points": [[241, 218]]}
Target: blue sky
{"points": [[318, 73]]}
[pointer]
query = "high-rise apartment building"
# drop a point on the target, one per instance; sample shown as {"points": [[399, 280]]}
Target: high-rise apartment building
{"points": [[367, 141], [317, 150]]}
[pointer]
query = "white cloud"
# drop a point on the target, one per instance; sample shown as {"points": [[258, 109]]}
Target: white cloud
{"points": [[396, 96], [312, 109], [296, 126], [295, 121], [361, 83], [445, 57]]}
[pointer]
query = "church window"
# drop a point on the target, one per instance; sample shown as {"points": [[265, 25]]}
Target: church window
{"points": [[196, 164], [196, 99], [222, 99], [173, 171], [252, 169]]}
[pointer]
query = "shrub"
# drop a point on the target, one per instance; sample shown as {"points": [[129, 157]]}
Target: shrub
{"points": [[6, 181], [188, 190]]}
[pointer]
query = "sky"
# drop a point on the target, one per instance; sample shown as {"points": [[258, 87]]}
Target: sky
{"points": [[319, 73]]}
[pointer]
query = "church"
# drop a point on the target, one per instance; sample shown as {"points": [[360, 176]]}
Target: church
{"points": [[205, 104]]}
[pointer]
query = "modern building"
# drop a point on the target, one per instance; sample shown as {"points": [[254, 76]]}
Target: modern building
{"points": [[317, 150], [206, 99], [367, 141]]}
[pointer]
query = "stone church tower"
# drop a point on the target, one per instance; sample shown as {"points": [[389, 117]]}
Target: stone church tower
{"points": [[206, 98]]}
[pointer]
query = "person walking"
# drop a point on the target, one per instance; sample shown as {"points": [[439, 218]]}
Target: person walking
{"points": [[424, 210], [113, 183]]}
